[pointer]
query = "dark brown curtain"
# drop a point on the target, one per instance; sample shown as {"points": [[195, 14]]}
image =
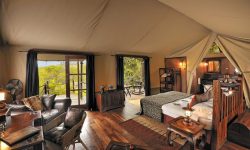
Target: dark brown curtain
{"points": [[147, 86], [91, 101], [32, 79], [119, 72]]}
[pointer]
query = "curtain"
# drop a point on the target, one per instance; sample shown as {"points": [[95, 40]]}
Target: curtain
{"points": [[32, 79], [91, 101], [147, 76], [119, 72]]}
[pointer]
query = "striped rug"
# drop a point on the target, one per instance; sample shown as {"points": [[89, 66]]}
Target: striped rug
{"points": [[152, 132]]}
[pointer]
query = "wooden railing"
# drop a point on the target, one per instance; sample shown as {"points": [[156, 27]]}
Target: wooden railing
{"points": [[225, 108]]}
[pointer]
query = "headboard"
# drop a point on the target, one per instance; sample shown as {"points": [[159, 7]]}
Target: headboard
{"points": [[225, 108]]}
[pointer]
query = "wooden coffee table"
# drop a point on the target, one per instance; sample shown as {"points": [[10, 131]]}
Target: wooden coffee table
{"points": [[191, 132], [17, 122]]}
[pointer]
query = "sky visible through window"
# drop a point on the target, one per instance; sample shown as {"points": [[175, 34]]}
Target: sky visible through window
{"points": [[49, 63]]}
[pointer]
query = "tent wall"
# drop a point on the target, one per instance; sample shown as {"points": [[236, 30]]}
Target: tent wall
{"points": [[105, 67], [14, 63], [2, 68]]}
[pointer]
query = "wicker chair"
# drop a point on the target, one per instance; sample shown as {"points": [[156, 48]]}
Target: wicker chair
{"points": [[57, 136]]}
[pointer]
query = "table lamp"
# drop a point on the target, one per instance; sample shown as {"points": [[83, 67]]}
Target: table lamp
{"points": [[3, 108], [188, 113], [2, 103]]}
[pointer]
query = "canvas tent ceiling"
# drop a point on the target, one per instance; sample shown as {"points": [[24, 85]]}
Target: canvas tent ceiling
{"points": [[228, 17], [98, 25]]}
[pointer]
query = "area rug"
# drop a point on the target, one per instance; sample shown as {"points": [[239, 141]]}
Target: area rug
{"points": [[153, 133]]}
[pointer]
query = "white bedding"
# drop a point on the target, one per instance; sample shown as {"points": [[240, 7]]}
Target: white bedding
{"points": [[202, 111]]}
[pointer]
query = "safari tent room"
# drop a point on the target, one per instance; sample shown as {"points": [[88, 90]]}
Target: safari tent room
{"points": [[124, 74]]}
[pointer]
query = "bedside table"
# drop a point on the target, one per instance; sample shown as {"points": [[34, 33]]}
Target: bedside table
{"points": [[191, 132]]}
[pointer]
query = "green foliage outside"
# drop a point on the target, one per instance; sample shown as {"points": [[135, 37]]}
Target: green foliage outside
{"points": [[214, 49], [133, 70], [56, 76]]}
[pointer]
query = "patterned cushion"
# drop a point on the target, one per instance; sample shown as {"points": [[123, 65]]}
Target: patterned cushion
{"points": [[48, 101], [33, 102], [73, 116], [204, 97]]}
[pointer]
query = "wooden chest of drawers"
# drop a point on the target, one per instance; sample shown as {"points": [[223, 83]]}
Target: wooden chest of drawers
{"points": [[110, 99]]}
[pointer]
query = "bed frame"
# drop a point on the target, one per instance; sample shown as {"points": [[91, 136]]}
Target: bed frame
{"points": [[225, 110]]}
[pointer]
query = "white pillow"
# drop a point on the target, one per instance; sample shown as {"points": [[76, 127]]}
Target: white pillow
{"points": [[184, 102]]}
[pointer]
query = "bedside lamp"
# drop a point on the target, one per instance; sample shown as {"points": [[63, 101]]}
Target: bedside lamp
{"points": [[2, 104], [2, 96], [3, 108], [188, 113]]}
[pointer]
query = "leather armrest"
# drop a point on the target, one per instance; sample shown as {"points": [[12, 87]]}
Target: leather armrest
{"points": [[62, 105], [54, 123]]}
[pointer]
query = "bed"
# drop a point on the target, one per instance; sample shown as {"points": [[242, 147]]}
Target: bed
{"points": [[152, 105], [216, 113]]}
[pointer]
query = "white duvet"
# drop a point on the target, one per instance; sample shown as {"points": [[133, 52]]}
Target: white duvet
{"points": [[203, 112]]}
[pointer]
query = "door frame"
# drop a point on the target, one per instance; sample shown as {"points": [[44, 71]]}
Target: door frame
{"points": [[67, 69]]}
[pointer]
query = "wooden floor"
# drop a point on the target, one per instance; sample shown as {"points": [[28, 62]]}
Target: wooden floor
{"points": [[100, 128]]}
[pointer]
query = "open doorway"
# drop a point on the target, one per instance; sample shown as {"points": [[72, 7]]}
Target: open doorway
{"points": [[214, 66], [134, 77], [63, 75]]}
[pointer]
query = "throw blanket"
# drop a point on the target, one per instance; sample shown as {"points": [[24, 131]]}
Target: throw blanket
{"points": [[151, 105]]}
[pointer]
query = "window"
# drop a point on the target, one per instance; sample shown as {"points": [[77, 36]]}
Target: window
{"points": [[213, 66]]}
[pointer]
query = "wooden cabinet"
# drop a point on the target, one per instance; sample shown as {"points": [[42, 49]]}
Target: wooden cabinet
{"points": [[170, 79], [110, 99]]}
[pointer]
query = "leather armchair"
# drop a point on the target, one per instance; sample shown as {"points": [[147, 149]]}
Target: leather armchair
{"points": [[59, 107], [58, 136]]}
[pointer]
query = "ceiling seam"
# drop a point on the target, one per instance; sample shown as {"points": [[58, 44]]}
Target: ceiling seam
{"points": [[96, 21], [147, 32]]}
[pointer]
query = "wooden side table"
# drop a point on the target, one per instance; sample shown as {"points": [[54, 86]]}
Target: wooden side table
{"points": [[191, 132]]}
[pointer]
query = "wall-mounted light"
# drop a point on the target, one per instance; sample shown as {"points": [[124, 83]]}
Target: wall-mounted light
{"points": [[205, 64], [182, 64]]}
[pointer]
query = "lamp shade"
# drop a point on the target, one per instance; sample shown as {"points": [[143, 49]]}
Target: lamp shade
{"points": [[2, 96]]}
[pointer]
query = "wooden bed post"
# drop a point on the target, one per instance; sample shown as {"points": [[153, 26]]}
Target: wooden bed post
{"points": [[218, 136]]}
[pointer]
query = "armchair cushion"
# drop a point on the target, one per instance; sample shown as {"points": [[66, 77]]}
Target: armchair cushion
{"points": [[48, 101], [48, 115], [73, 117], [56, 134]]}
